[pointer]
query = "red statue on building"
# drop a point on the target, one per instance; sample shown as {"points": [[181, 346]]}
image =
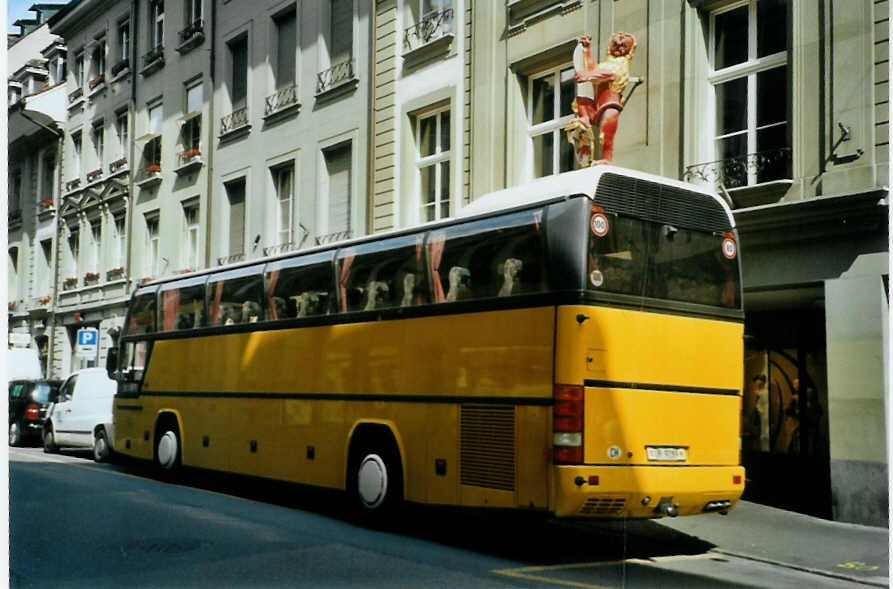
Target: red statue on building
{"points": [[602, 110]]}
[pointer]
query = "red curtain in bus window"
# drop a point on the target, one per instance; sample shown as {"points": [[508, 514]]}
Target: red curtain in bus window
{"points": [[170, 307], [418, 299], [435, 253], [271, 288], [342, 281], [215, 305]]}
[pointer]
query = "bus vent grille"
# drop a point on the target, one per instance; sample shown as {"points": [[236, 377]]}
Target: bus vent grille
{"points": [[603, 506], [660, 203], [487, 454]]}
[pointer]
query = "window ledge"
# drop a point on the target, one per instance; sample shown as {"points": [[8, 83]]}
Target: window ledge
{"points": [[124, 73], [193, 163], [759, 194], [282, 112], [234, 133], [153, 66], [191, 43], [96, 90], [79, 102], [438, 45], [149, 179], [345, 87], [523, 13]]}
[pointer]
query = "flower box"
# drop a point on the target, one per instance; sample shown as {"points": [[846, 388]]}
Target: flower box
{"points": [[44, 300], [47, 203], [116, 271], [71, 280], [153, 168], [91, 276], [146, 280], [91, 176], [96, 82], [117, 164], [12, 305]]}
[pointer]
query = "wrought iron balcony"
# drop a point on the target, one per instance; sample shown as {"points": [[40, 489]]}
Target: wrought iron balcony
{"points": [[333, 237], [283, 98], [235, 120], [281, 248], [432, 27], [743, 170], [334, 76], [224, 260]]}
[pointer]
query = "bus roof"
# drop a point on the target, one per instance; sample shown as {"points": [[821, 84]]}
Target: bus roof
{"points": [[582, 181]]}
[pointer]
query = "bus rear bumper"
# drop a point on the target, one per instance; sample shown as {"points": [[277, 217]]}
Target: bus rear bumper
{"points": [[644, 491]]}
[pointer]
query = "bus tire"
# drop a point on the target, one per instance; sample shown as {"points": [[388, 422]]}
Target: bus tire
{"points": [[102, 450], [167, 446], [49, 440], [375, 483]]}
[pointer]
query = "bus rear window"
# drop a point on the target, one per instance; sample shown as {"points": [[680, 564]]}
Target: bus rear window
{"points": [[301, 287], [661, 261], [497, 257], [183, 308], [142, 314], [236, 297], [383, 275]]}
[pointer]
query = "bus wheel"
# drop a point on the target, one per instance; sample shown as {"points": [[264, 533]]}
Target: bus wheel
{"points": [[102, 451], [49, 440], [167, 446], [376, 483]]}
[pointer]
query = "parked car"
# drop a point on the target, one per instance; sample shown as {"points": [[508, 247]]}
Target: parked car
{"points": [[28, 403], [81, 417]]}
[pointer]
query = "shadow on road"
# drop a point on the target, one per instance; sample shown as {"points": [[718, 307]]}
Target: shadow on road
{"points": [[532, 538]]}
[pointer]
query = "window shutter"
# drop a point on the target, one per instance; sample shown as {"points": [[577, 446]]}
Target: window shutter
{"points": [[338, 167], [285, 51], [239, 50], [236, 194], [341, 42]]}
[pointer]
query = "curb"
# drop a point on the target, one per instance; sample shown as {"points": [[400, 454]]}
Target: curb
{"points": [[814, 571]]}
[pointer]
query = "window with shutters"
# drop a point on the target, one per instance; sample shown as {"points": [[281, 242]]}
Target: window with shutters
{"points": [[338, 170], [235, 194], [286, 43], [239, 74]]}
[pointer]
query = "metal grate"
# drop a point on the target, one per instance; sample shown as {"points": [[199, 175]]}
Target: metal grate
{"points": [[603, 506], [660, 203], [487, 453]]}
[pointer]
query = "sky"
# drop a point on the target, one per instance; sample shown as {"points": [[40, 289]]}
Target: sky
{"points": [[16, 9]]}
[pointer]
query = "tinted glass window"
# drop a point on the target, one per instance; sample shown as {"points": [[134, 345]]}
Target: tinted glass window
{"points": [[142, 314], [301, 287], [498, 257], [183, 308], [390, 273], [236, 297], [41, 392], [630, 256], [16, 391]]}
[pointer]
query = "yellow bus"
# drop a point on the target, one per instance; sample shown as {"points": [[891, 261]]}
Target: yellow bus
{"points": [[572, 346]]}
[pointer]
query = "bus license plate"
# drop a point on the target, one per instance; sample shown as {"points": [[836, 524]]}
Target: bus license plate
{"points": [[665, 453]]}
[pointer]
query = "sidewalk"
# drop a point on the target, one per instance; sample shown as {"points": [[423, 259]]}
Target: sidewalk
{"points": [[850, 551]]}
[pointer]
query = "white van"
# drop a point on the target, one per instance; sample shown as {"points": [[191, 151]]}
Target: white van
{"points": [[82, 415]]}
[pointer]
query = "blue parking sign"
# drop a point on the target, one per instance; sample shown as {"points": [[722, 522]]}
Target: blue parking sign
{"points": [[87, 342]]}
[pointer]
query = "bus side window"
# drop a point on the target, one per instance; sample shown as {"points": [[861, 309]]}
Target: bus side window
{"points": [[235, 300], [384, 275], [182, 308], [300, 287]]}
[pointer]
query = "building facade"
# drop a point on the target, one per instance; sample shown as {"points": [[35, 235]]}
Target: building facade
{"points": [[36, 118], [782, 106]]}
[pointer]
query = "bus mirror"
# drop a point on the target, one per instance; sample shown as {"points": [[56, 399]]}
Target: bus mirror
{"points": [[111, 362]]}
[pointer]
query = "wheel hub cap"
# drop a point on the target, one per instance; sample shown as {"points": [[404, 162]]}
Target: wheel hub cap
{"points": [[372, 481], [167, 449]]}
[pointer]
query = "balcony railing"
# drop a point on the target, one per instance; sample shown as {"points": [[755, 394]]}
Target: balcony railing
{"points": [[743, 170], [334, 76], [117, 165], [433, 26], [75, 95], [120, 67], [281, 248], [282, 99], [72, 185], [235, 120], [333, 237], [224, 260]]}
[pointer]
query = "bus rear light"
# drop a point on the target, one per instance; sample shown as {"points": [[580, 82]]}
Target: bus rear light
{"points": [[567, 424], [736, 479], [32, 412], [568, 455]]}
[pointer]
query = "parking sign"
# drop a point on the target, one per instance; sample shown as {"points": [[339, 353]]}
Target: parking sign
{"points": [[88, 342]]}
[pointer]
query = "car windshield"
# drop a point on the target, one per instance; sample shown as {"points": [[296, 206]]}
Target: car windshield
{"points": [[41, 392]]}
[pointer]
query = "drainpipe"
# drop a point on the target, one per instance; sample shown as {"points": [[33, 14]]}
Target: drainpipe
{"points": [[131, 177], [210, 168], [370, 120], [55, 296]]}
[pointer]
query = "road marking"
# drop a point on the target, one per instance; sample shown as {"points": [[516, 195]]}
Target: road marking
{"points": [[525, 572], [857, 565]]}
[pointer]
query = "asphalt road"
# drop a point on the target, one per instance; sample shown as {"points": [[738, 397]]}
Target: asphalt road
{"points": [[74, 523]]}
